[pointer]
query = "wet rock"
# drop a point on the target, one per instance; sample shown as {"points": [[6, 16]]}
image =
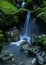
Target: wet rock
{"points": [[44, 64], [21, 63], [40, 60], [42, 41], [39, 41], [31, 61], [45, 59], [34, 61], [9, 58], [13, 35], [24, 45], [33, 50], [41, 57]]}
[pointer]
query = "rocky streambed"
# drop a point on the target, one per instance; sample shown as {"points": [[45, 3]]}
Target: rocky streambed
{"points": [[24, 54], [17, 52], [12, 55]]}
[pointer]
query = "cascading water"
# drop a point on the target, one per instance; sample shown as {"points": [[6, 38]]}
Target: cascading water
{"points": [[22, 5], [29, 28], [21, 40], [26, 28]]}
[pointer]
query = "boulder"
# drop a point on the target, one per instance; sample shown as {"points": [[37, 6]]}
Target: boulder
{"points": [[13, 35], [24, 45], [32, 51], [9, 58]]}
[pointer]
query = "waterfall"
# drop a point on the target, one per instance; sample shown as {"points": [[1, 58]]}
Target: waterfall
{"points": [[26, 31], [26, 25], [26, 28], [21, 40], [30, 27]]}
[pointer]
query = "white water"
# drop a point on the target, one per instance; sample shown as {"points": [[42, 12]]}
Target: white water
{"points": [[17, 43], [21, 40], [25, 35], [26, 28], [29, 28], [22, 5]]}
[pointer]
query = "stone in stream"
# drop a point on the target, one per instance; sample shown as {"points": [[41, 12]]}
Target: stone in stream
{"points": [[33, 50], [44, 64], [31, 61], [40, 60], [24, 45], [9, 58], [41, 41]]}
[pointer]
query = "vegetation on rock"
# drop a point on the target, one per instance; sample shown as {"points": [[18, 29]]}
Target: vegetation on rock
{"points": [[2, 40]]}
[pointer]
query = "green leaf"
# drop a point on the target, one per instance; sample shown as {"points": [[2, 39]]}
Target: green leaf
{"points": [[7, 7]]}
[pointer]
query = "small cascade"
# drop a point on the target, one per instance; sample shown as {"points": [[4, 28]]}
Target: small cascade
{"points": [[21, 40], [22, 5]]}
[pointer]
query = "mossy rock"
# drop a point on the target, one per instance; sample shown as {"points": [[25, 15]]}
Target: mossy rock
{"points": [[42, 42]]}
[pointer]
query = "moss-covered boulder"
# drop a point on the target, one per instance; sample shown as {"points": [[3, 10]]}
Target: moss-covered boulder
{"points": [[16, 35], [42, 41]]}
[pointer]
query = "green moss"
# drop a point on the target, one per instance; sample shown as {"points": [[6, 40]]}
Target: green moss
{"points": [[1, 31], [29, 1], [23, 9], [42, 42], [7, 7]]}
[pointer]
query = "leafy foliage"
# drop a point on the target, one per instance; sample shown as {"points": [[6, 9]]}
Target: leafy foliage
{"points": [[7, 7], [8, 14], [40, 12]]}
